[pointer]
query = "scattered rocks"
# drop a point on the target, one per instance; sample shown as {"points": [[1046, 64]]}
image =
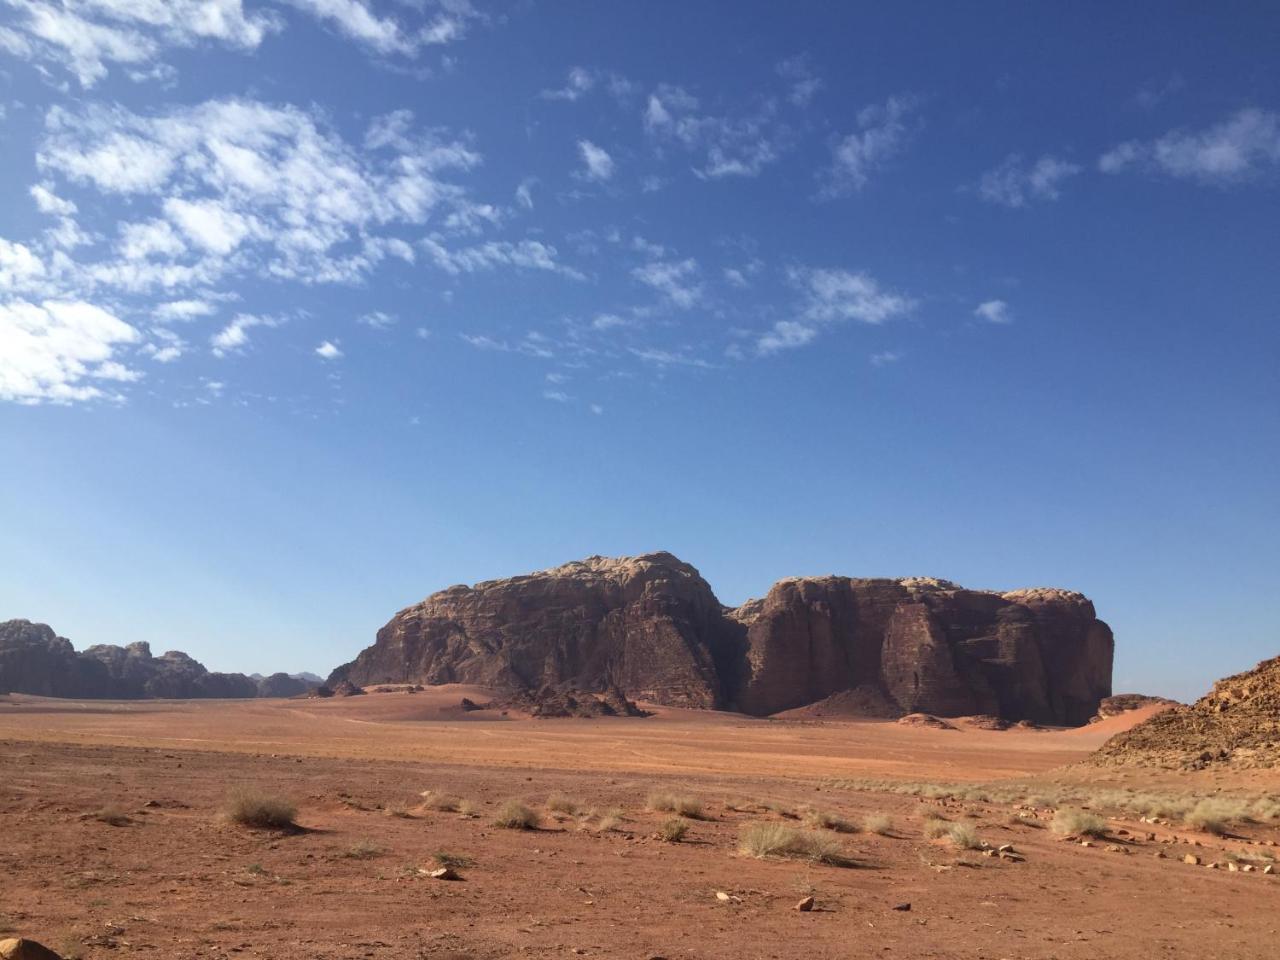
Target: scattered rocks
{"points": [[444, 873], [925, 720], [805, 905], [902, 906]]}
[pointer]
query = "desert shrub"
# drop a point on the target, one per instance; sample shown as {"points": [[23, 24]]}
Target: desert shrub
{"points": [[963, 837], [363, 850], [673, 830], [662, 802], [877, 823], [399, 812], [935, 827], [780, 840], [456, 860], [468, 809], [828, 821], [1026, 820], [1214, 816], [514, 815], [559, 803], [1264, 809], [252, 808], [1074, 822], [443, 802], [112, 816]]}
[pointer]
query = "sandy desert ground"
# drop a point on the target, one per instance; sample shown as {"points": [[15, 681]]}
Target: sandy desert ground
{"points": [[114, 844]]}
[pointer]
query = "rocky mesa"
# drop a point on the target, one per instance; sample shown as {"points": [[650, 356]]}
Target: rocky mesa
{"points": [[35, 660], [651, 627]]}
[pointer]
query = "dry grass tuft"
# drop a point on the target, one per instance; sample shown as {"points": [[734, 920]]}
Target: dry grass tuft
{"points": [[1074, 822], [964, 837], [820, 819], [363, 850], [781, 840], [559, 803], [935, 827], [262, 811], [673, 830], [455, 860], [514, 815], [443, 802], [662, 802], [878, 823]]}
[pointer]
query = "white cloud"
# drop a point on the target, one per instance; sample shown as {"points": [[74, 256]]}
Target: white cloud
{"points": [[235, 335], [596, 408], [784, 335], [55, 350], [805, 83], [885, 357], [609, 321], [524, 194], [559, 396], [598, 163], [1236, 150], [666, 358], [523, 254], [884, 132], [328, 350], [377, 320], [386, 35], [736, 278], [49, 202], [89, 36], [255, 188], [729, 146], [577, 85], [830, 296], [994, 311], [1015, 184], [676, 280], [833, 295], [182, 310], [20, 268]]}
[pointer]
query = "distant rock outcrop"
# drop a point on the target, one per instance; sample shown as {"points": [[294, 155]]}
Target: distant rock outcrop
{"points": [[652, 627], [35, 660], [1122, 703], [1236, 724]]}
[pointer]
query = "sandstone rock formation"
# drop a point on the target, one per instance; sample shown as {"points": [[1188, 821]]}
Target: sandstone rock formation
{"points": [[1121, 703], [1236, 724], [35, 660], [652, 627]]}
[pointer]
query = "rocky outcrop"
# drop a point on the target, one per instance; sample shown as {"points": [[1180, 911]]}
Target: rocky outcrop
{"points": [[1236, 724], [281, 685], [1122, 703], [652, 627], [35, 660]]}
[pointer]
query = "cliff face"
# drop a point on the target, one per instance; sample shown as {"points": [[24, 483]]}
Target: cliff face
{"points": [[34, 660], [651, 626]]}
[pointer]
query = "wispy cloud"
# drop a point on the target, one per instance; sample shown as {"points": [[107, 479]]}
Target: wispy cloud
{"points": [[885, 357], [831, 296], [1238, 149], [387, 35], [884, 130], [597, 163], [676, 280], [234, 337], [804, 81], [328, 350], [729, 146], [522, 254], [1014, 183], [994, 311]]}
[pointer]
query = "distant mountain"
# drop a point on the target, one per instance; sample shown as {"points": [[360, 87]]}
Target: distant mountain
{"points": [[35, 660], [651, 627]]}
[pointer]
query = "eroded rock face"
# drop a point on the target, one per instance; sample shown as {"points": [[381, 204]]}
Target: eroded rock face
{"points": [[34, 660], [1236, 724], [651, 626], [648, 625]]}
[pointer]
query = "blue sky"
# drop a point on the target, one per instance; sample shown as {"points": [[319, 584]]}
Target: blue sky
{"points": [[309, 308]]}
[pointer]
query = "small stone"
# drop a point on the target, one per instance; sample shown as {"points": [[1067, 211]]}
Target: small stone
{"points": [[1192, 859], [1005, 848], [805, 905], [902, 906], [1159, 855], [1268, 869], [1212, 865], [444, 873], [1086, 843], [724, 897], [1231, 867], [1247, 868]]}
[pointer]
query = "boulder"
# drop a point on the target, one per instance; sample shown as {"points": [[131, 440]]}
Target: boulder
{"points": [[21, 949]]}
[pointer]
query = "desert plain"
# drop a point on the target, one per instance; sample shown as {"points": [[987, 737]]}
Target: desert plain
{"points": [[116, 840]]}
